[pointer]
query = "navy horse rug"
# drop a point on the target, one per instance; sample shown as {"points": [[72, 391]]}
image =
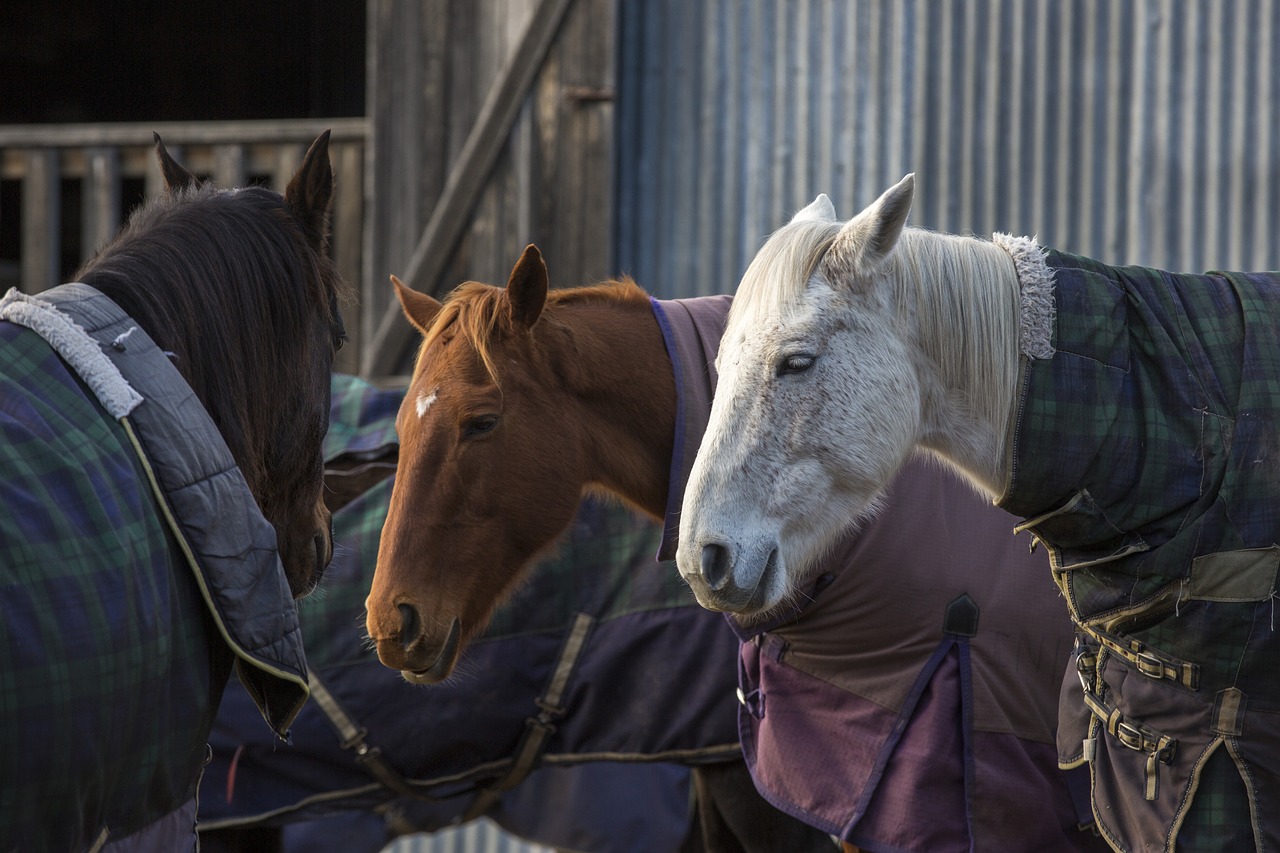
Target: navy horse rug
{"points": [[1145, 455], [601, 663], [136, 570]]}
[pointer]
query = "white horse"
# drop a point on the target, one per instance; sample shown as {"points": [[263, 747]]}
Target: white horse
{"points": [[841, 355], [852, 345]]}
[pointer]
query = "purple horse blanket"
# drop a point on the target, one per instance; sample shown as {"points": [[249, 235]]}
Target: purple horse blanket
{"points": [[912, 705]]}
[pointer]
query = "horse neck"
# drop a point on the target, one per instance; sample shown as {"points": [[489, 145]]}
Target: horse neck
{"points": [[960, 296], [621, 379]]}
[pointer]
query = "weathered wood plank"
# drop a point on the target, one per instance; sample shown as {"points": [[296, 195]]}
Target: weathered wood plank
{"points": [[408, 48], [101, 200], [203, 133], [103, 168], [229, 165], [41, 221], [448, 220]]}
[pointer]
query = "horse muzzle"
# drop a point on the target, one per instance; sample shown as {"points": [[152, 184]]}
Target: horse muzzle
{"points": [[730, 581], [410, 650]]}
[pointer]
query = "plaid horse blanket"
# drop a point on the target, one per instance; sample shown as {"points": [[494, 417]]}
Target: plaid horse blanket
{"points": [[647, 682], [136, 569], [1146, 456], [909, 701]]}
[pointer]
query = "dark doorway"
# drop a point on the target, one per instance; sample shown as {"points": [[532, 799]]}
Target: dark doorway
{"points": [[89, 61]]}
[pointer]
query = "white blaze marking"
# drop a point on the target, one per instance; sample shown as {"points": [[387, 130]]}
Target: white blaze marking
{"points": [[424, 403]]}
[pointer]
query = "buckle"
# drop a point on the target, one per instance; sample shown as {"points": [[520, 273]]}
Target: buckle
{"points": [[1129, 735], [1149, 665]]}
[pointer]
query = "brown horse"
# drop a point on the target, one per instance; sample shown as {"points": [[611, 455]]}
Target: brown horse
{"points": [[498, 421]]}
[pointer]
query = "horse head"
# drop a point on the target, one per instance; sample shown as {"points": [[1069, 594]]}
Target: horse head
{"points": [[816, 407], [486, 478], [238, 287]]}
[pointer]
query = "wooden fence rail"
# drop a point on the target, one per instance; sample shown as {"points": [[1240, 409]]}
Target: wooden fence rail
{"points": [[54, 164]]}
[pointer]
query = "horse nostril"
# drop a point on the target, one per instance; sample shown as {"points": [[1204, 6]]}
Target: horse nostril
{"points": [[715, 565], [322, 552], [410, 626]]}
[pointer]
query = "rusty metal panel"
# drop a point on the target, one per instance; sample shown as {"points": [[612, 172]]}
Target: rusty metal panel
{"points": [[1134, 131]]}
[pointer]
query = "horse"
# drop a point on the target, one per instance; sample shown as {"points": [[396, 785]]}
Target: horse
{"points": [[162, 422], [1124, 413], [523, 399]]}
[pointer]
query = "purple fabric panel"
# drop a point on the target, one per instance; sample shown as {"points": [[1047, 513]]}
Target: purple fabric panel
{"points": [[814, 725], [873, 628], [927, 765], [691, 329], [1022, 802], [902, 782]]}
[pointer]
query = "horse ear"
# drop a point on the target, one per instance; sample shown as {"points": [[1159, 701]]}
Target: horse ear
{"points": [[175, 177], [871, 235], [527, 287], [310, 191], [820, 209], [420, 308]]}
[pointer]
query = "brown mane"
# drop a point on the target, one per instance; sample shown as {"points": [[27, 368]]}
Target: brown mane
{"points": [[480, 314]]}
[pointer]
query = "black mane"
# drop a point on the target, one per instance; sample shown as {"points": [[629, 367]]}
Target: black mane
{"points": [[227, 282]]}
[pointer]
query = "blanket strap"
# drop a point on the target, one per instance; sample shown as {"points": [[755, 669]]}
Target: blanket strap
{"points": [[1146, 660], [1129, 732], [538, 729], [353, 737]]}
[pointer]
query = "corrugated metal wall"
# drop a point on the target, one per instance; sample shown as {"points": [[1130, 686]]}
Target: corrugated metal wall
{"points": [[1133, 131], [478, 836]]}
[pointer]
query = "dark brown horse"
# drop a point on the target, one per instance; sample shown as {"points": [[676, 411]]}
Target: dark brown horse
{"points": [[161, 422], [238, 285]]}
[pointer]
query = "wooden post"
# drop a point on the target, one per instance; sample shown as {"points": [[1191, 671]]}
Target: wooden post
{"points": [[100, 211], [41, 221]]}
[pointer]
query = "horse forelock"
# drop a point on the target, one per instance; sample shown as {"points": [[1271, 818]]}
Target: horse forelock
{"points": [[473, 313], [478, 314], [774, 284]]}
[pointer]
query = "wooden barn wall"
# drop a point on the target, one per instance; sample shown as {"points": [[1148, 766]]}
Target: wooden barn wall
{"points": [[436, 68], [1134, 131]]}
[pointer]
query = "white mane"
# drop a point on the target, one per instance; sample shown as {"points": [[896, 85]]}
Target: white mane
{"points": [[961, 291]]}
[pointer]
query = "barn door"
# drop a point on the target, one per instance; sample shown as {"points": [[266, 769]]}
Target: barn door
{"points": [[491, 126]]}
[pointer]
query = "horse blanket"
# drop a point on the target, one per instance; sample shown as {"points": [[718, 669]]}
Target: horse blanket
{"points": [[648, 682], [136, 569], [1144, 454], [910, 704]]}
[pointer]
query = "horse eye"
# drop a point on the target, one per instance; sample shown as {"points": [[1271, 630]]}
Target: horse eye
{"points": [[339, 340], [480, 425], [795, 364]]}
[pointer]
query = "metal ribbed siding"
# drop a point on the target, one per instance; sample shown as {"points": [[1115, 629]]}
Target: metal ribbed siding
{"points": [[480, 836], [1133, 132]]}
